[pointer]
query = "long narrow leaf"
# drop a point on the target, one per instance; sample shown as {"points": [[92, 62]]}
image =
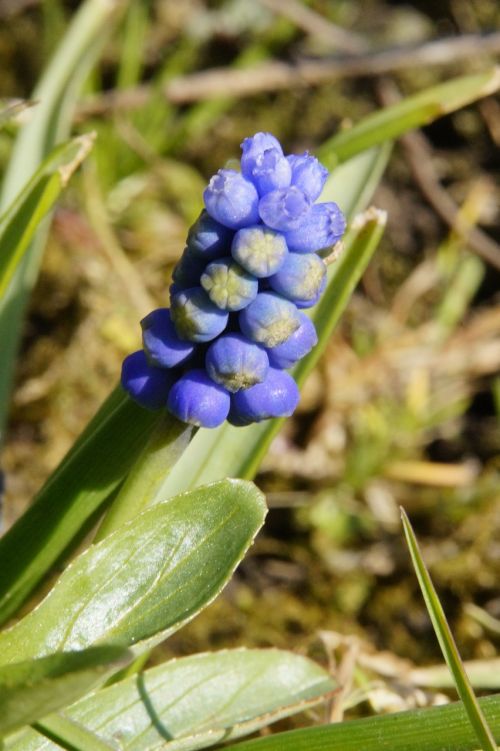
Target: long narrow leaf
{"points": [[413, 112], [433, 729], [21, 220], [447, 642], [88, 475], [56, 96]]}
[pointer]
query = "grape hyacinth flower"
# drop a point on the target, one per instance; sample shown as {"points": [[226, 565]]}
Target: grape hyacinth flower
{"points": [[234, 325]]}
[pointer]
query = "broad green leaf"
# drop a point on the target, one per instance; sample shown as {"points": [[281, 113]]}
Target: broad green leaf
{"points": [[447, 642], [20, 221], [87, 476], [31, 689], [56, 96], [146, 580], [435, 729], [62, 732], [412, 112], [196, 702]]}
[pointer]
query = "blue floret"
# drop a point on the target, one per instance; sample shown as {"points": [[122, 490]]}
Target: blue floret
{"points": [[269, 319], [208, 239], [297, 346], [234, 324], [148, 386], [196, 399], [285, 209], [301, 279], [232, 200], [324, 226], [260, 250], [236, 363], [277, 396], [308, 174], [161, 344], [195, 316], [228, 285]]}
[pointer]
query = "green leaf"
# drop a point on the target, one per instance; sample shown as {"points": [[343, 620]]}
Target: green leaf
{"points": [[197, 701], [146, 580], [31, 689], [20, 221], [412, 112], [56, 96], [447, 642], [433, 729], [87, 476], [69, 735]]}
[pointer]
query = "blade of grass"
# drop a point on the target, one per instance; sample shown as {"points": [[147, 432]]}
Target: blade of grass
{"points": [[412, 112], [56, 95], [447, 642], [431, 729], [20, 221]]}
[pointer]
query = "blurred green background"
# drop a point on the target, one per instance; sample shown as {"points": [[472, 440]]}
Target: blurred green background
{"points": [[404, 409]]}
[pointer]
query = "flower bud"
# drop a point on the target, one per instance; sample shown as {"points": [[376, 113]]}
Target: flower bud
{"points": [[269, 319], [208, 239], [196, 399], [284, 209], [232, 200], [235, 362], [308, 174], [297, 346], [188, 270], [195, 317], [277, 396], [324, 225], [254, 147], [228, 285], [162, 346], [260, 250], [146, 385], [271, 171], [301, 279]]}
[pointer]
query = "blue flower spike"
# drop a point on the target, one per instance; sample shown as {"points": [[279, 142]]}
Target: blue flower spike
{"points": [[236, 363], [269, 320], [161, 344], [260, 250], [234, 325], [301, 279], [196, 399], [195, 316], [232, 200], [228, 285]]}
